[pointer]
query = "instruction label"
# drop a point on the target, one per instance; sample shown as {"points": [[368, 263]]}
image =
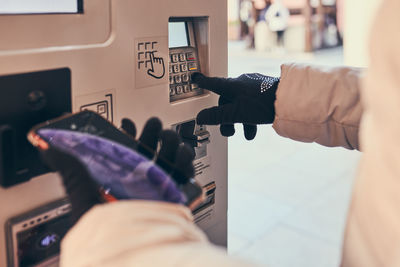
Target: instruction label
{"points": [[102, 102], [202, 168], [151, 61]]}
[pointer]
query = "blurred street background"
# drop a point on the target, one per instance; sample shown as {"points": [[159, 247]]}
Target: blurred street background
{"points": [[287, 25], [288, 200]]}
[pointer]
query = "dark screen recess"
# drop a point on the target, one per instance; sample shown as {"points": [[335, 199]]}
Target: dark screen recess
{"points": [[42, 242], [28, 99]]}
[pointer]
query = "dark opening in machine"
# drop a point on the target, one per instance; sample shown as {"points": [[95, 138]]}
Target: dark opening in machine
{"points": [[28, 99]]}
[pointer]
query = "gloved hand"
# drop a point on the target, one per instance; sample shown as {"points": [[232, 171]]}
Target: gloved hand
{"points": [[248, 99], [83, 192]]}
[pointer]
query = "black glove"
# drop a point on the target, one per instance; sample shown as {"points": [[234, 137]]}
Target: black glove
{"points": [[176, 159], [248, 99], [83, 192]]}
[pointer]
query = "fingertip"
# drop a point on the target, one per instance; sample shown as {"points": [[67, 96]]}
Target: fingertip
{"points": [[201, 117], [196, 77], [154, 123], [152, 129], [249, 137], [129, 127], [250, 131], [227, 130]]}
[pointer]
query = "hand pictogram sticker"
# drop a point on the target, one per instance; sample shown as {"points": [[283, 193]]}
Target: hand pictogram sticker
{"points": [[151, 60]]}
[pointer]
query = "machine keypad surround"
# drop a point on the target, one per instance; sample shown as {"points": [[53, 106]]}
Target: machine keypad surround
{"points": [[183, 62]]}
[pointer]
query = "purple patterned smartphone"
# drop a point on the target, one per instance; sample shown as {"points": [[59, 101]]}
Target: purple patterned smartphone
{"points": [[118, 169]]}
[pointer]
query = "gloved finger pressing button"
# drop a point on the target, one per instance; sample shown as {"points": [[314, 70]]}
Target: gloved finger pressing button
{"points": [[248, 99], [225, 87]]}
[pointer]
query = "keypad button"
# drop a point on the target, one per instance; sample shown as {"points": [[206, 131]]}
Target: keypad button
{"points": [[170, 69], [176, 68], [192, 66], [190, 56], [182, 57], [171, 91], [185, 77], [184, 67], [186, 88], [194, 86], [171, 80], [179, 89], [178, 79], [175, 58]]}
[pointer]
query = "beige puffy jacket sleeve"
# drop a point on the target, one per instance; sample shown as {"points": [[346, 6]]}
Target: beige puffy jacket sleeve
{"points": [[373, 224], [140, 233], [319, 104]]}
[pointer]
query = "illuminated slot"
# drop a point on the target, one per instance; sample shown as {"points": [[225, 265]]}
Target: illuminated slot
{"points": [[210, 197], [210, 188]]}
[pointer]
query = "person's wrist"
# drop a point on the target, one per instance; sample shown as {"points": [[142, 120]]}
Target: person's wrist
{"points": [[274, 89]]}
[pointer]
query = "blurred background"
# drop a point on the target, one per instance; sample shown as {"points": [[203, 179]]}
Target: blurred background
{"points": [[288, 200], [292, 25]]}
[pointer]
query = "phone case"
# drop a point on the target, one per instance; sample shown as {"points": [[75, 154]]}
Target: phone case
{"points": [[85, 122], [121, 171]]}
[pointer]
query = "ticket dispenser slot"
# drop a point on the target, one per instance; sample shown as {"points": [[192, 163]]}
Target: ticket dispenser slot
{"points": [[198, 137], [26, 100], [34, 237], [209, 190], [194, 135], [186, 55]]}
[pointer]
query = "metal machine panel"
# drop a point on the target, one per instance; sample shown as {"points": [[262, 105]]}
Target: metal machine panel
{"points": [[33, 238], [32, 31]]}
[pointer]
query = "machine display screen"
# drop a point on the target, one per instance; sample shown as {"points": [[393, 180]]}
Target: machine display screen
{"points": [[40, 6], [42, 242], [178, 36]]}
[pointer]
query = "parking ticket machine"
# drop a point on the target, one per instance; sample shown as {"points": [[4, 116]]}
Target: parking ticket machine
{"points": [[120, 58]]}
